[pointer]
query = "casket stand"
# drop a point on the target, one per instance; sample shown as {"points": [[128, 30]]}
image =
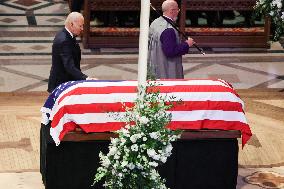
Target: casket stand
{"points": [[201, 159]]}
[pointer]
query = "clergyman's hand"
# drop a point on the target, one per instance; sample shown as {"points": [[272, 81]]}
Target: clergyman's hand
{"points": [[190, 41]]}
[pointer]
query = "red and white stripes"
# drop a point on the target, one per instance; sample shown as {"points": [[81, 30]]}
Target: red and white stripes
{"points": [[207, 104]]}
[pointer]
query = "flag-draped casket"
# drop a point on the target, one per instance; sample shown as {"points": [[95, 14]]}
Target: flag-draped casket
{"points": [[90, 105]]}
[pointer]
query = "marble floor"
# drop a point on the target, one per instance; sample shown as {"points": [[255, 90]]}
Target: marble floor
{"points": [[26, 32]]}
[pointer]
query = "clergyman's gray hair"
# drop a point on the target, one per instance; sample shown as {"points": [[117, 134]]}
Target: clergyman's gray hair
{"points": [[167, 5]]}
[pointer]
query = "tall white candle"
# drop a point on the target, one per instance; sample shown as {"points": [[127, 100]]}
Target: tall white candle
{"points": [[143, 42]]}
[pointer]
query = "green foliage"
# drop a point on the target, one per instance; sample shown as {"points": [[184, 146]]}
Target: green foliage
{"points": [[273, 9], [142, 145]]}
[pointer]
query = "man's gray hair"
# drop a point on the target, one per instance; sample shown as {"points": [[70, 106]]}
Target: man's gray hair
{"points": [[72, 17], [167, 4]]}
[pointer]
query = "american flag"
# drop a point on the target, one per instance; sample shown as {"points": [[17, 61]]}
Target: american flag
{"points": [[207, 104]]}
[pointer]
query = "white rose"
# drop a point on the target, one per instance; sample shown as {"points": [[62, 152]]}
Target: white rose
{"points": [[156, 157], [154, 135], [153, 164], [139, 166], [123, 140], [144, 120], [169, 148], [131, 166], [151, 152], [114, 140], [116, 156], [134, 147], [163, 159], [133, 138], [105, 162], [124, 131], [124, 163], [112, 150]]}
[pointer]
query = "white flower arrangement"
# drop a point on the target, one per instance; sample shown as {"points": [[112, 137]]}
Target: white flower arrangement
{"points": [[142, 145], [274, 9]]}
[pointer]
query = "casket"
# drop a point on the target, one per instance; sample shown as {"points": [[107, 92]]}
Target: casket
{"points": [[211, 115]]}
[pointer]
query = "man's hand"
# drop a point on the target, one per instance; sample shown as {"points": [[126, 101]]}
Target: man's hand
{"points": [[190, 41]]}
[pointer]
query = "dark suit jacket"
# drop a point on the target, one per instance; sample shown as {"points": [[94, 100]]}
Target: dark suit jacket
{"points": [[66, 57]]}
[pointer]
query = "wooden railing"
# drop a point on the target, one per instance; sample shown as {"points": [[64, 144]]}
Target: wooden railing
{"points": [[94, 37]]}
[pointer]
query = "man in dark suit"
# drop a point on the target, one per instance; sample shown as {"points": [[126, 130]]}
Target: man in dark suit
{"points": [[66, 53]]}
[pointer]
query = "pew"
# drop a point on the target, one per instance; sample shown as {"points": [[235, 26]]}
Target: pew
{"points": [[255, 36]]}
